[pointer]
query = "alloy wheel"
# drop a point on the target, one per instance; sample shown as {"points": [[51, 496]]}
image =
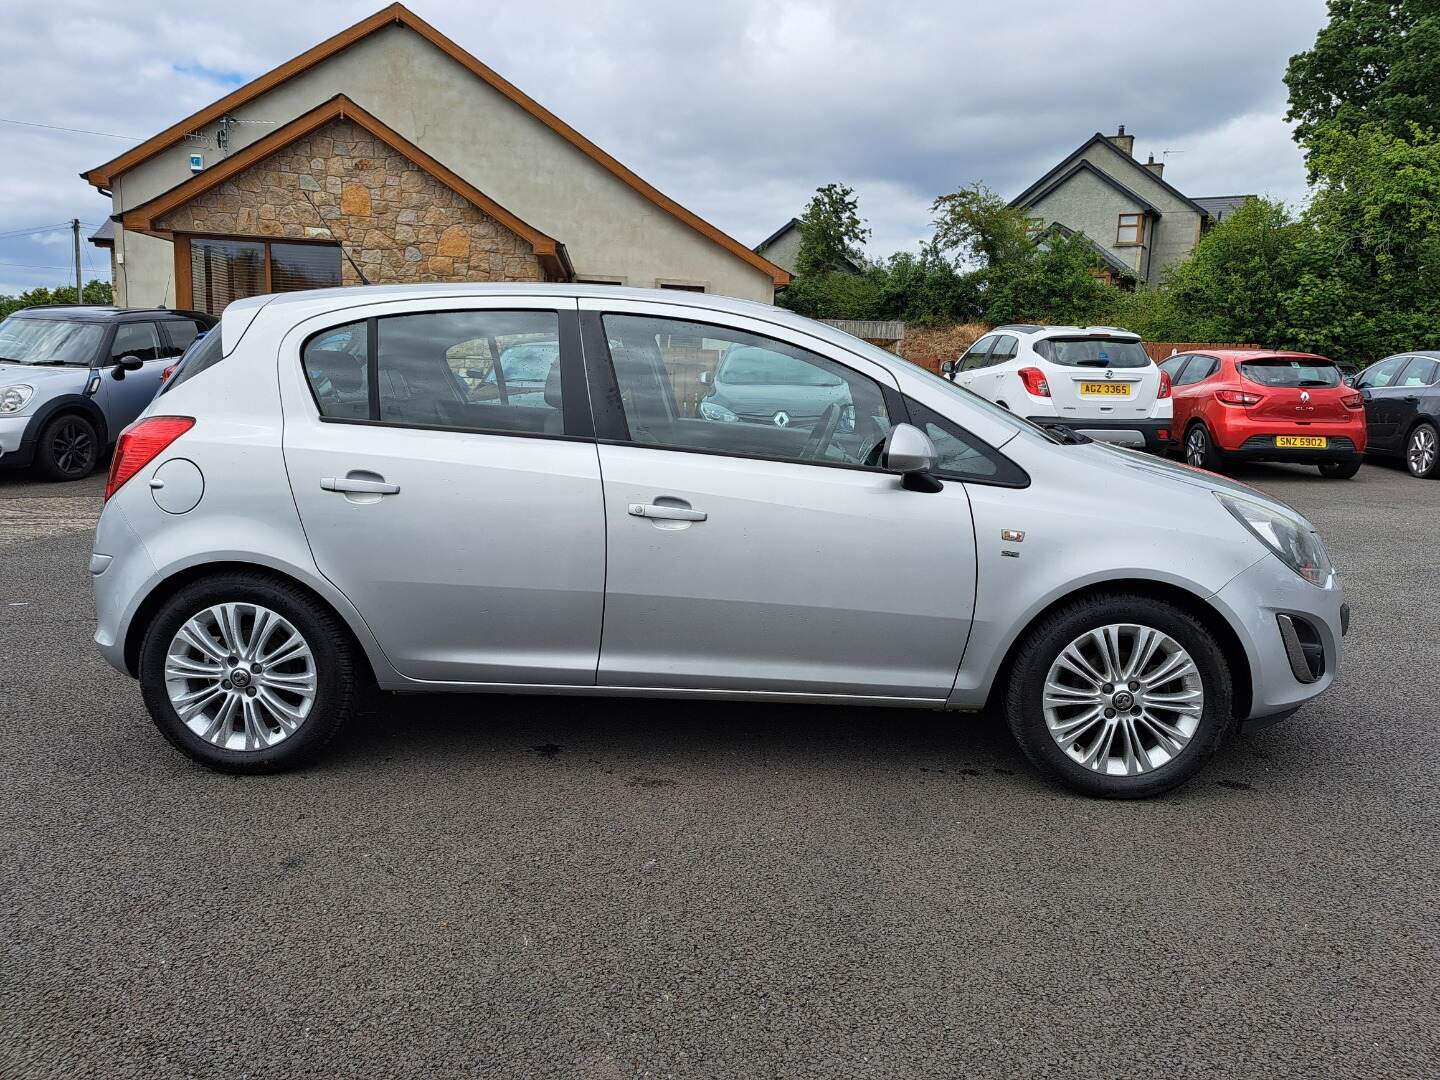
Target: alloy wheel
{"points": [[1123, 699], [72, 448], [240, 676], [1197, 444], [1420, 454]]}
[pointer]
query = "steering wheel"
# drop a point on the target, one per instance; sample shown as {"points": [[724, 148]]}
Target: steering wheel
{"points": [[823, 432]]}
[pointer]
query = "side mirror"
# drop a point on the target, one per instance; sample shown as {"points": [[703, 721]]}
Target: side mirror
{"points": [[948, 367], [126, 363], [705, 378], [909, 452], [1366, 394]]}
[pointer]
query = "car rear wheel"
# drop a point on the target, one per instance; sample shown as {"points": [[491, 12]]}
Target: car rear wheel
{"points": [[1340, 470], [1422, 453], [1119, 696], [68, 448], [1200, 449], [247, 673]]}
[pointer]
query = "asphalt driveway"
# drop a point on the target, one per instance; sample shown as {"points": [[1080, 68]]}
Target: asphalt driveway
{"points": [[514, 887]]}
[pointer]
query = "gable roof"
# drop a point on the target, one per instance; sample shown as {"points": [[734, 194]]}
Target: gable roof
{"points": [[1038, 192], [143, 218], [1029, 194], [1216, 205], [102, 176]]}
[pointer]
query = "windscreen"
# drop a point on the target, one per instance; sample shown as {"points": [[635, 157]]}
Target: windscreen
{"points": [[49, 341], [1093, 352], [1278, 371], [750, 366]]}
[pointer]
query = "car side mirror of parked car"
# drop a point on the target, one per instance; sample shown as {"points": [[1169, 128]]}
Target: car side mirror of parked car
{"points": [[909, 452], [124, 364], [1365, 393], [705, 378], [948, 367]]}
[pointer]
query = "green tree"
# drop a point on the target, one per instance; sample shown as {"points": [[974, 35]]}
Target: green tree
{"points": [[95, 292], [831, 232], [977, 227], [1054, 280], [1375, 62]]}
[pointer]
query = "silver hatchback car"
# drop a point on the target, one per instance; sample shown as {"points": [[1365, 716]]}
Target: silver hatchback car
{"points": [[337, 492]]}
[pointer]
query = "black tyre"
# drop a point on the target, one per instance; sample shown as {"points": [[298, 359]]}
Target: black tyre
{"points": [[1422, 452], [1119, 696], [68, 448], [1199, 449], [246, 673], [1340, 470]]}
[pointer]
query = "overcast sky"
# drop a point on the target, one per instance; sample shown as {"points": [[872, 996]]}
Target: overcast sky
{"points": [[736, 109]]}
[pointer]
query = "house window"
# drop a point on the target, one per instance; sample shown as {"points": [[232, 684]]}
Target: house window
{"points": [[1034, 226], [222, 271], [1131, 229], [681, 286]]}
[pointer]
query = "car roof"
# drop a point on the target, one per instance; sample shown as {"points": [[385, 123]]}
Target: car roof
{"points": [[103, 312], [1239, 355], [1054, 330]]}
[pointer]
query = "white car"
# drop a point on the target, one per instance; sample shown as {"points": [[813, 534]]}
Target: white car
{"points": [[1096, 380]]}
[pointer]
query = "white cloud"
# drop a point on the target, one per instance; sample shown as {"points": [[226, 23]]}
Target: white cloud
{"points": [[737, 109]]}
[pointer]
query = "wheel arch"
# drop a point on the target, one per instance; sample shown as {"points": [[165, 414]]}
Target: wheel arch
{"points": [[163, 590], [78, 404], [1210, 617]]}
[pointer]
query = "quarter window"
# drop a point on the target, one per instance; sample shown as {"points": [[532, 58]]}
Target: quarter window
{"points": [[765, 398], [137, 339], [1130, 229], [961, 456], [337, 365]]}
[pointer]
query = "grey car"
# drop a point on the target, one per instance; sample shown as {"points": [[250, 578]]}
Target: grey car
{"points": [[278, 542], [72, 377]]}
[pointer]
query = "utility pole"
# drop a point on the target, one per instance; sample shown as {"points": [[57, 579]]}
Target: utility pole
{"points": [[79, 285]]}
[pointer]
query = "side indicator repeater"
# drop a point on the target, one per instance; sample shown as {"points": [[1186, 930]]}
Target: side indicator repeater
{"points": [[1012, 536]]}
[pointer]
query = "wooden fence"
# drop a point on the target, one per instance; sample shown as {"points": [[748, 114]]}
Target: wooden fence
{"points": [[1161, 350]]}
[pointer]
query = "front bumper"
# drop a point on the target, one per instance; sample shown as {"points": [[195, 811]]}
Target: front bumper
{"points": [[15, 449], [1152, 435], [1254, 603]]}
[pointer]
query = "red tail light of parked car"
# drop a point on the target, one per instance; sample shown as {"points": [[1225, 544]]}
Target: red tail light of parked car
{"points": [[1034, 380], [140, 444]]}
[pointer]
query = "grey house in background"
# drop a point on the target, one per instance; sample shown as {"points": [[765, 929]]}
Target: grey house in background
{"points": [[782, 247], [1139, 222]]}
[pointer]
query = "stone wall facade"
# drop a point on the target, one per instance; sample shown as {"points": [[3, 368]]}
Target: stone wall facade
{"points": [[391, 217]]}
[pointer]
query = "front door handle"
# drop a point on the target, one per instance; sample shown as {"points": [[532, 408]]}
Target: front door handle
{"points": [[369, 487], [666, 513], [1412, 397]]}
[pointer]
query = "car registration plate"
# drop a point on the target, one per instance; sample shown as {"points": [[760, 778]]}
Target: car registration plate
{"points": [[1301, 442], [1104, 389]]}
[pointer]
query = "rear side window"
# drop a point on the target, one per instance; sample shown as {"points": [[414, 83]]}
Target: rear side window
{"points": [[204, 353], [1281, 372], [1005, 347], [181, 333], [1093, 352], [1421, 372]]}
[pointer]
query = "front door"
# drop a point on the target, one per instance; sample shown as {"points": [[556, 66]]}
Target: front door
{"points": [[123, 399], [461, 517], [766, 555], [1384, 402]]}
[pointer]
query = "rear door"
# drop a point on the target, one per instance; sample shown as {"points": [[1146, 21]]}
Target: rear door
{"points": [[466, 528], [1100, 377]]}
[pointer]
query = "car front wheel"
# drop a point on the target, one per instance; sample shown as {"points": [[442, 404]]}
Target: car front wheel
{"points": [[1422, 453], [1119, 696], [247, 673], [68, 448]]}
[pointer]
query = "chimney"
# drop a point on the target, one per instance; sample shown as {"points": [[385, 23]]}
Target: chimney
{"points": [[1157, 167], [1124, 143]]}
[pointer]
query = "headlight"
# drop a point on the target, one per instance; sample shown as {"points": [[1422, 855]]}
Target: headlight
{"points": [[1293, 542], [711, 409], [14, 398]]}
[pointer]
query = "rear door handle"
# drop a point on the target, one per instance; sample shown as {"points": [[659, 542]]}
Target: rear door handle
{"points": [[371, 487], [1412, 397], [666, 513]]}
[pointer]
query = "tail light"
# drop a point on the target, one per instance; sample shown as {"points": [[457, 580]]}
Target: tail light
{"points": [[1354, 401], [1034, 380], [1238, 397], [165, 375], [140, 444], [1165, 385]]}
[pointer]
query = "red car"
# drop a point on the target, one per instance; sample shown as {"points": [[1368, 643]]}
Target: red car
{"points": [[1254, 405]]}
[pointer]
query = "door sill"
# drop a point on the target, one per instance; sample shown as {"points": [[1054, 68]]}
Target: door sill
{"points": [[418, 686]]}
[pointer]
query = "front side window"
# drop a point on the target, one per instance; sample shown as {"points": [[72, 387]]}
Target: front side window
{"points": [[767, 398], [1173, 365], [49, 341], [137, 339], [1130, 229], [1199, 369], [1383, 373], [977, 354]]}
